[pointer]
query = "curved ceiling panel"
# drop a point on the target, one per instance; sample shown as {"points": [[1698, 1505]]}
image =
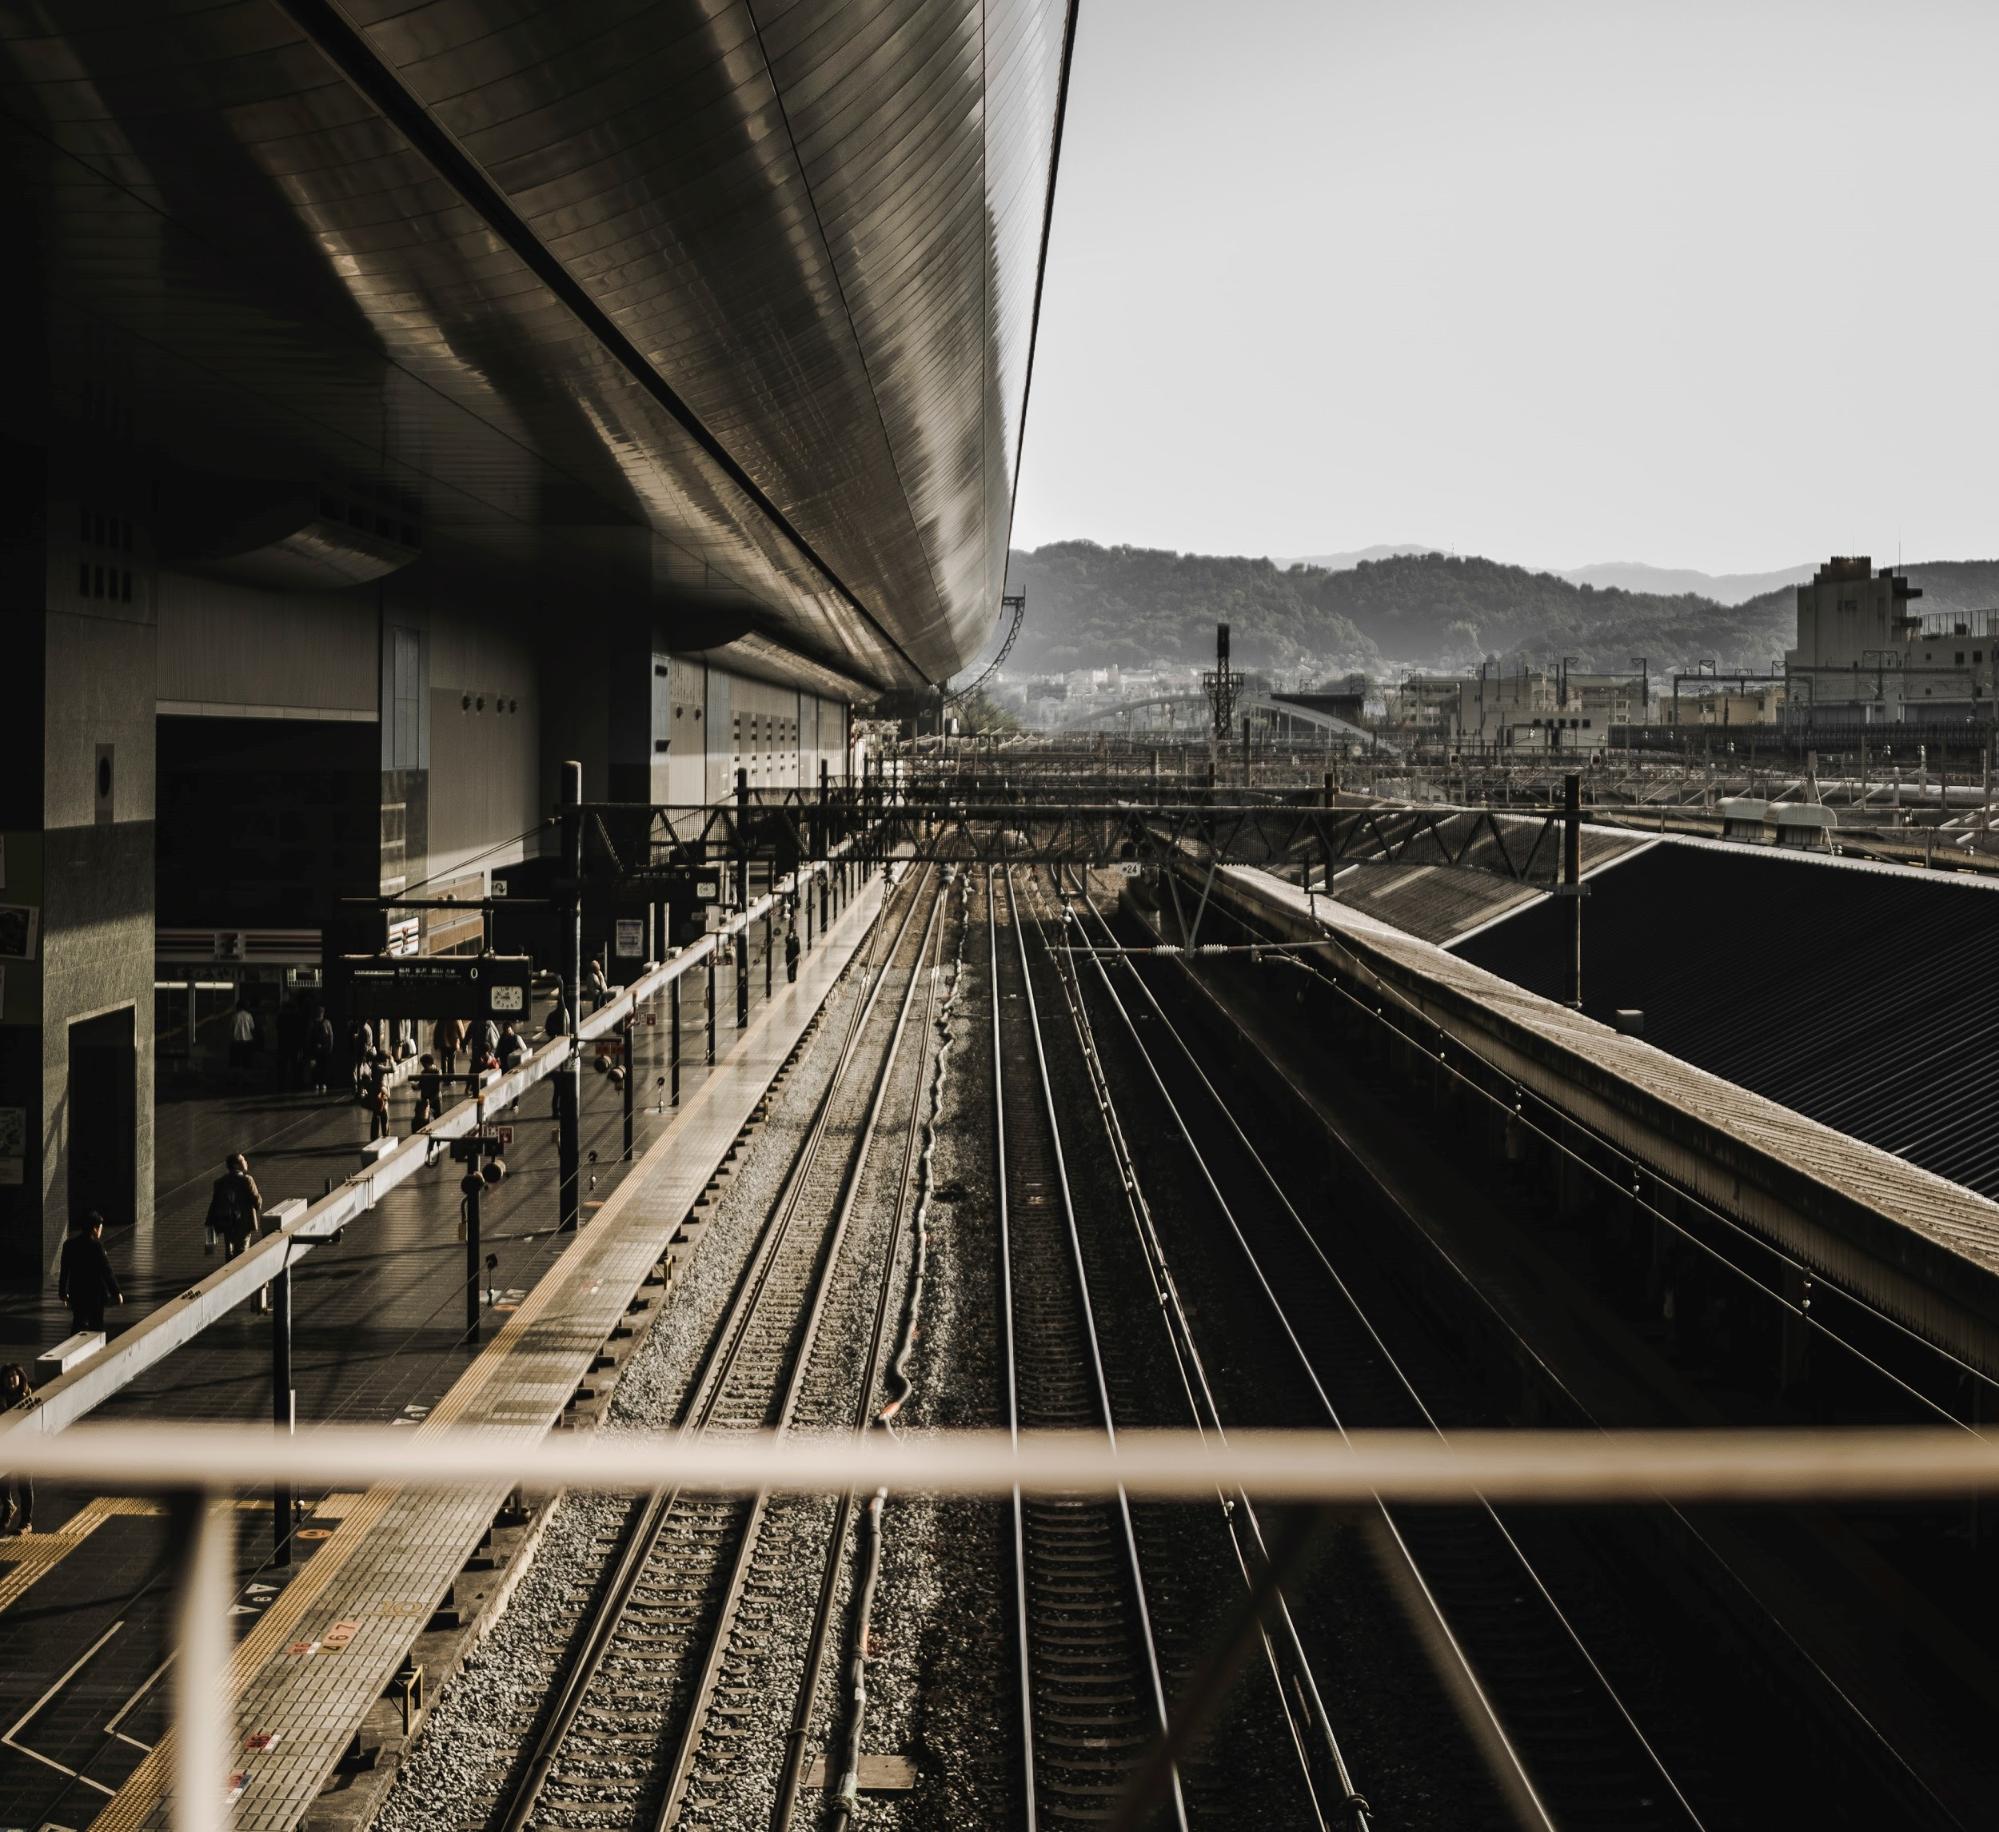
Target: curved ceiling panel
{"points": [[760, 277]]}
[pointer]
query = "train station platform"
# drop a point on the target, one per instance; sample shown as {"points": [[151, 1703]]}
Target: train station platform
{"points": [[378, 1334], [1920, 1248]]}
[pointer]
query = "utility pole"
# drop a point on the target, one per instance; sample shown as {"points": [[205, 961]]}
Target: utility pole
{"points": [[1221, 684], [283, 1496], [1572, 879], [569, 1077], [743, 898]]}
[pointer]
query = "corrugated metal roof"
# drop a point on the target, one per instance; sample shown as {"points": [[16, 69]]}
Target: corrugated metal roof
{"points": [[1866, 997]]}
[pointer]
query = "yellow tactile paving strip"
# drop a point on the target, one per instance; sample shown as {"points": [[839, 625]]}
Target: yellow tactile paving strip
{"points": [[390, 1560]]}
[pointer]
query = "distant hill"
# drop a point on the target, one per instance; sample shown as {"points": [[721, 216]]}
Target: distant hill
{"points": [[1090, 606], [1346, 562], [1677, 581]]}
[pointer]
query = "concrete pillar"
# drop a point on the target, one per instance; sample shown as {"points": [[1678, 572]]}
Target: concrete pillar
{"points": [[77, 652]]}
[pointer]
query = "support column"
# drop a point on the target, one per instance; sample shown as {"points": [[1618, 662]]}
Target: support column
{"points": [[569, 1077], [283, 1496], [630, 1069], [711, 1007], [77, 760], [673, 1059], [742, 899], [475, 1270], [1572, 879]]}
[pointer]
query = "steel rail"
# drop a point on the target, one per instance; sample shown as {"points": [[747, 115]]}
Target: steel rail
{"points": [[648, 1522], [1205, 1410], [1516, 1765], [680, 1772], [1086, 1316], [1675, 1504], [791, 1777]]}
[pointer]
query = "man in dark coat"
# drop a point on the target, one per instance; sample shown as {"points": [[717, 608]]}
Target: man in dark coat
{"points": [[88, 1283], [236, 1204]]}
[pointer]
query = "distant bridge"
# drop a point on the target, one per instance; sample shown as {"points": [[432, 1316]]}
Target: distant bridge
{"points": [[1185, 716]]}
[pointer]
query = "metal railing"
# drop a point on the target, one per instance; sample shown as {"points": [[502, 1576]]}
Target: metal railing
{"points": [[302, 1225], [194, 1465]]}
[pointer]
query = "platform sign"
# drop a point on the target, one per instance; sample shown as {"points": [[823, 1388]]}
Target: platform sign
{"points": [[440, 985], [629, 941]]}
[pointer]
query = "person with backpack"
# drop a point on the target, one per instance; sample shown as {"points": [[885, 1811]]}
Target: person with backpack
{"points": [[235, 1204]]}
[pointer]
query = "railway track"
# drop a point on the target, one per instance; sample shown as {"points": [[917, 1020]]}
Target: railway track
{"points": [[1092, 1698], [648, 1725], [1561, 1745]]}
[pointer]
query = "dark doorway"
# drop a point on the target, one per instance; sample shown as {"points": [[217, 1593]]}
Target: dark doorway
{"points": [[104, 1117]]}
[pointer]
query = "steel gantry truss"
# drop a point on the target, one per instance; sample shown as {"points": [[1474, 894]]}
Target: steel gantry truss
{"points": [[1523, 845]]}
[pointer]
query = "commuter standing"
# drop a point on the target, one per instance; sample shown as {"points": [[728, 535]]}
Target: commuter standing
{"points": [[512, 1049], [319, 1050], [598, 987], [17, 1493], [88, 1283], [791, 956], [242, 1041], [447, 1040], [361, 1041]]}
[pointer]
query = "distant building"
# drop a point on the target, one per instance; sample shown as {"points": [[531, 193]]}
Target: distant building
{"points": [[1534, 707], [1864, 655]]}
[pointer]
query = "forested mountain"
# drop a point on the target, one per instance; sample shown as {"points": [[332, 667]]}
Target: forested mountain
{"points": [[1090, 606], [1668, 581]]}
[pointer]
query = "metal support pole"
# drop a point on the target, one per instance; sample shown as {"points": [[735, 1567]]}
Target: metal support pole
{"points": [[568, 1078], [204, 1538], [711, 1006], [475, 1267], [742, 899], [673, 1060], [630, 1066], [282, 1402], [1572, 878], [769, 915]]}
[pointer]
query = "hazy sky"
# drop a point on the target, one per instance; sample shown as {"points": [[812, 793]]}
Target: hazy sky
{"points": [[1701, 282]]}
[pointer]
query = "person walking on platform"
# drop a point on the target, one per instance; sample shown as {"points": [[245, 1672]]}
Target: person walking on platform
{"points": [[87, 1283], [447, 1040], [378, 1097], [236, 1203], [319, 1050], [17, 1493], [429, 1093], [512, 1048], [791, 956]]}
